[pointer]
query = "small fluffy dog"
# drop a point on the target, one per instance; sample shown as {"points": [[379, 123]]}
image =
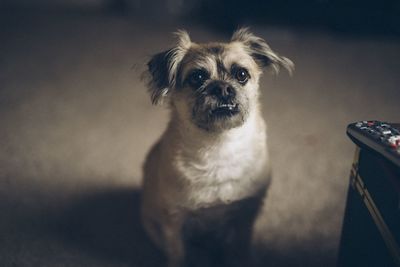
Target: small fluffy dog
{"points": [[205, 179]]}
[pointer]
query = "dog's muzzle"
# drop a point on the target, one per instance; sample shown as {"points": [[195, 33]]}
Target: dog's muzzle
{"points": [[225, 95]]}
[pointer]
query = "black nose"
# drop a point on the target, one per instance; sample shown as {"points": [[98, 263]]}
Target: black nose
{"points": [[222, 90]]}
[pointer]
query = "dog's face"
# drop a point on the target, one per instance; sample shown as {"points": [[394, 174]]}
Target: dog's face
{"points": [[214, 85]]}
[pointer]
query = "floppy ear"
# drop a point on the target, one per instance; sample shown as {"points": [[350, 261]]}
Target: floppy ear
{"points": [[157, 75], [163, 67], [261, 52]]}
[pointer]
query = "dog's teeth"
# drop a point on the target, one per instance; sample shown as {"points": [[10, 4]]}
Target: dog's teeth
{"points": [[226, 106]]}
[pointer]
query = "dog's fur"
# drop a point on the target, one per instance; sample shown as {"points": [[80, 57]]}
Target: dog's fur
{"points": [[205, 179]]}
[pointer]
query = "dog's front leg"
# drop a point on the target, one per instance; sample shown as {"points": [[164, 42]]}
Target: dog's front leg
{"points": [[173, 242]]}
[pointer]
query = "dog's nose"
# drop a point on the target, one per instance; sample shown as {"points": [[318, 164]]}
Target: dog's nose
{"points": [[222, 90]]}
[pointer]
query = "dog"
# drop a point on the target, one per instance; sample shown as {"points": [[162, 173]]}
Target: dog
{"points": [[206, 178]]}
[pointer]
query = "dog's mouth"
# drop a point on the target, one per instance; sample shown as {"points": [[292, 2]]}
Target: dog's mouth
{"points": [[225, 110]]}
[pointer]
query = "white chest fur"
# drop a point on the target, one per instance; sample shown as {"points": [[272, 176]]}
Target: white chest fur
{"points": [[222, 168]]}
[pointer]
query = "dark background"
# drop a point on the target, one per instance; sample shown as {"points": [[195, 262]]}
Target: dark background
{"points": [[76, 121]]}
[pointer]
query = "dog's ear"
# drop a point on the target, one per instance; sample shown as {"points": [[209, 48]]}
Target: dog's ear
{"points": [[163, 67], [261, 52]]}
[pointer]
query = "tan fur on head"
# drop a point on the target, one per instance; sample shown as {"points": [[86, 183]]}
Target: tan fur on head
{"points": [[163, 68], [183, 39], [176, 55]]}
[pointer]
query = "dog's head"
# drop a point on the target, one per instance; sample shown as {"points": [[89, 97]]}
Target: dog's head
{"points": [[213, 85]]}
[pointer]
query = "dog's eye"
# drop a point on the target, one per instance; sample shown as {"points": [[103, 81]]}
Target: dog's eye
{"points": [[241, 75], [197, 78]]}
